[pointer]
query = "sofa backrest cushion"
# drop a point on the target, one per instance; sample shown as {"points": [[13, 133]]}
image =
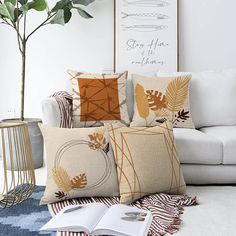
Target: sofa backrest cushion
{"points": [[212, 97]]}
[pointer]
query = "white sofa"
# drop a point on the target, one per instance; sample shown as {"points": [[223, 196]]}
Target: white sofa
{"points": [[207, 153]]}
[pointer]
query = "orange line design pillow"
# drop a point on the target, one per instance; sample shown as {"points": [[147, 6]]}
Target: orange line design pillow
{"points": [[147, 161], [98, 98]]}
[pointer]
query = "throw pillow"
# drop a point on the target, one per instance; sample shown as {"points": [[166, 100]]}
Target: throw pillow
{"points": [[98, 98], [80, 163], [157, 99], [147, 161]]}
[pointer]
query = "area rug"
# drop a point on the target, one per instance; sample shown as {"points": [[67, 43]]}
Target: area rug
{"points": [[166, 210], [25, 219]]}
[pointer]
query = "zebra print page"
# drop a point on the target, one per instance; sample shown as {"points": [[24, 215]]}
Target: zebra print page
{"points": [[146, 35]]}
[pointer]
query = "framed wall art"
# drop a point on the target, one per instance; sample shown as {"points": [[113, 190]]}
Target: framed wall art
{"points": [[146, 35]]}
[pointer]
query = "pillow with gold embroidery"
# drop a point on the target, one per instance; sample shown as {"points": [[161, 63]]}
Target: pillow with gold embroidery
{"points": [[98, 98], [157, 99], [147, 161], [80, 163]]}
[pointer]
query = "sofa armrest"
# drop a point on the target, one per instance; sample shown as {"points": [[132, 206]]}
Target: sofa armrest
{"points": [[50, 112]]}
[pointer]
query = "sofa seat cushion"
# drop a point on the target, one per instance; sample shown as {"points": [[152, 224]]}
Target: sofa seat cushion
{"points": [[196, 147], [227, 135]]}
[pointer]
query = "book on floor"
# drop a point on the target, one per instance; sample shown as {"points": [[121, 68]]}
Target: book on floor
{"points": [[98, 219]]}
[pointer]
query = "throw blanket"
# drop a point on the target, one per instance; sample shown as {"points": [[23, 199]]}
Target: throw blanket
{"points": [[166, 209], [64, 101]]}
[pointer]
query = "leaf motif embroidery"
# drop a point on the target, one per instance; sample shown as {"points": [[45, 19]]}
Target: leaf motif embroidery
{"points": [[161, 121], [107, 148], [62, 179], [79, 181], [60, 195], [91, 137], [156, 100], [177, 92], [141, 101], [182, 115], [98, 141]]}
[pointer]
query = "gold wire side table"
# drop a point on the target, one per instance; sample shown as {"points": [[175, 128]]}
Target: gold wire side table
{"points": [[18, 181]]}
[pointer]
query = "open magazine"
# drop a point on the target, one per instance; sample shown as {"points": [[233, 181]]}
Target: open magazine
{"points": [[98, 219]]}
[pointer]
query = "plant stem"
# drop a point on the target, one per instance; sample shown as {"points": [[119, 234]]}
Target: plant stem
{"points": [[17, 28], [24, 40], [42, 24], [23, 56]]}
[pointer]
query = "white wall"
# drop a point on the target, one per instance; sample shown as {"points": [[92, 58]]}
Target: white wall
{"points": [[207, 41], [207, 34], [81, 44]]}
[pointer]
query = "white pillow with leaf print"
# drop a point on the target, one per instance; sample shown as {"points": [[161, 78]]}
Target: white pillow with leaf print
{"points": [[80, 163], [158, 99]]}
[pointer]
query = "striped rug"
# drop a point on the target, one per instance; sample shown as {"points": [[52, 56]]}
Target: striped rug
{"points": [[166, 210]]}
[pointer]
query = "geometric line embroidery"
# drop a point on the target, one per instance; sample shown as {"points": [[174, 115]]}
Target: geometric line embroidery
{"points": [[99, 99], [133, 188]]}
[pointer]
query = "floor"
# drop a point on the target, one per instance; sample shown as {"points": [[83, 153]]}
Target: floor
{"points": [[214, 216]]}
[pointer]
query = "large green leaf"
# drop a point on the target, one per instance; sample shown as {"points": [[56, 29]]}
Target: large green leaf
{"points": [[38, 5], [7, 10], [83, 2], [13, 2], [58, 18], [61, 5], [24, 8], [17, 14], [67, 14], [62, 16], [83, 13], [23, 2]]}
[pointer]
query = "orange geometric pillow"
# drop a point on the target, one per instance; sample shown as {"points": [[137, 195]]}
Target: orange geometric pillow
{"points": [[98, 98]]}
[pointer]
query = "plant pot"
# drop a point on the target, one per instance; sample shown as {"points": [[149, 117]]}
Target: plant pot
{"points": [[36, 141]]}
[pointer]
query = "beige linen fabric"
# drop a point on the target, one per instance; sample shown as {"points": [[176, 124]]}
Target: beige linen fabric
{"points": [[80, 163], [157, 99], [98, 98], [147, 161]]}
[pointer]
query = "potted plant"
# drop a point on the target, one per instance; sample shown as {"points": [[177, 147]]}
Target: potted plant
{"points": [[13, 13]]}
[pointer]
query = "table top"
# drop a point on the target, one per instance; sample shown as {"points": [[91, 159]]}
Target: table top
{"points": [[12, 124]]}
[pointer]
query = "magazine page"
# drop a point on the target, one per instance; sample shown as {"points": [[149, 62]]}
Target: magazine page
{"points": [[77, 218], [124, 220]]}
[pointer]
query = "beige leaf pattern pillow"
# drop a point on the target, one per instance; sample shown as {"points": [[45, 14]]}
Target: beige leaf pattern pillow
{"points": [[80, 163], [98, 98], [158, 99], [147, 161]]}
